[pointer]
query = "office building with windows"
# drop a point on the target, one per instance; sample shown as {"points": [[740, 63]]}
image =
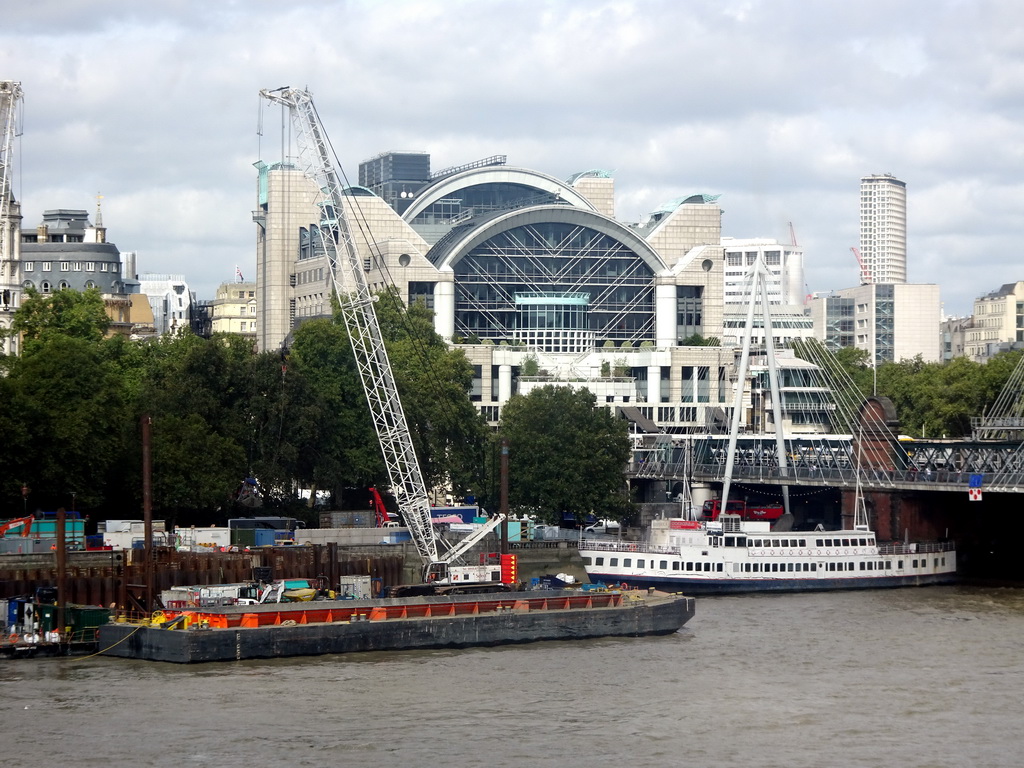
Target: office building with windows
{"points": [[891, 322], [234, 309], [997, 324], [67, 251], [883, 229]]}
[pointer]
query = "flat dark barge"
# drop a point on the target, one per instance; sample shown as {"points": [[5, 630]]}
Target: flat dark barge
{"points": [[351, 626]]}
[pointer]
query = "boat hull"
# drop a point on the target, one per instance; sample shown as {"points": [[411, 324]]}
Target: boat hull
{"points": [[723, 586], [515, 619]]}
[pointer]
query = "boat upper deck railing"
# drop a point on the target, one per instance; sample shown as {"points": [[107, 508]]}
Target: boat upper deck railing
{"points": [[916, 548], [896, 548]]}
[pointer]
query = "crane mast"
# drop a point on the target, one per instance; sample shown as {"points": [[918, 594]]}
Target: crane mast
{"points": [[10, 96], [353, 292]]}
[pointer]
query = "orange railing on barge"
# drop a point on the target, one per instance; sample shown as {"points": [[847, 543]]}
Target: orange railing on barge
{"points": [[329, 612]]}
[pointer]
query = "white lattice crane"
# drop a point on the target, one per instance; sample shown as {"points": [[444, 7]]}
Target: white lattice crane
{"points": [[10, 97], [316, 158]]}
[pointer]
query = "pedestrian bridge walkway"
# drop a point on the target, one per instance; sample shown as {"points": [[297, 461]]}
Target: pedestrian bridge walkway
{"points": [[828, 461]]}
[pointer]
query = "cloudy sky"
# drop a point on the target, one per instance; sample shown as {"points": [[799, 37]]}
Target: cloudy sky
{"points": [[779, 106]]}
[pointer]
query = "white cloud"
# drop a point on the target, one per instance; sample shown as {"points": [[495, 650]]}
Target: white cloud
{"points": [[778, 106]]}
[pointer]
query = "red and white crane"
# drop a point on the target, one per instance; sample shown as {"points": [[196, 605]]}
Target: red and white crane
{"points": [[865, 273]]}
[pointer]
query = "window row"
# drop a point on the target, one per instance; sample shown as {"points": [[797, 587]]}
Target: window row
{"points": [[47, 287], [70, 266]]}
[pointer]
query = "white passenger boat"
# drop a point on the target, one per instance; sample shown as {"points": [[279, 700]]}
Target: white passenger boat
{"points": [[732, 556]]}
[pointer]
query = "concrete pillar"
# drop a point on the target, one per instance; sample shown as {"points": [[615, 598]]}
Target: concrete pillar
{"points": [[444, 310], [654, 384], [504, 383], [665, 315]]}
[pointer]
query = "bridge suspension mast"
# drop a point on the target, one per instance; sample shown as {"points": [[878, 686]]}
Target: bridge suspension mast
{"points": [[757, 278]]}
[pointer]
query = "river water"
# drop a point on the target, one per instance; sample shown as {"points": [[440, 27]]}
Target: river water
{"points": [[909, 677]]}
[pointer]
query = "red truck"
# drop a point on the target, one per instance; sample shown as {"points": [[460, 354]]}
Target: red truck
{"points": [[766, 512]]}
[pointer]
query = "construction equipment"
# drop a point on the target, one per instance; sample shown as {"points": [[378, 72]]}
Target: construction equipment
{"points": [[25, 523], [353, 291], [10, 287], [865, 273]]}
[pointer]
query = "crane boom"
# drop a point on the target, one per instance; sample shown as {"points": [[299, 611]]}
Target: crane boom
{"points": [[865, 273], [10, 96], [353, 292]]}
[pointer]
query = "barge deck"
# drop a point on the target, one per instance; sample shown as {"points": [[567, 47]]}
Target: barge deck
{"points": [[257, 632]]}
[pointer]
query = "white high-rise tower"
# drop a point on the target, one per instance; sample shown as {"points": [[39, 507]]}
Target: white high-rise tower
{"points": [[883, 229]]}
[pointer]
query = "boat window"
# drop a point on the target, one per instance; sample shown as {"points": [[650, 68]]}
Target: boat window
{"points": [[586, 558], [663, 565], [846, 542], [814, 566], [614, 561], [730, 541], [675, 565], [866, 566], [627, 562], [803, 542], [850, 566], [719, 568], [746, 567], [640, 564], [741, 541], [757, 567], [789, 567], [863, 542], [819, 542], [599, 561]]}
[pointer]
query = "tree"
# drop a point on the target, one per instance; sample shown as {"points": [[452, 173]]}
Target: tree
{"points": [[566, 457], [64, 411], [80, 315], [346, 452]]}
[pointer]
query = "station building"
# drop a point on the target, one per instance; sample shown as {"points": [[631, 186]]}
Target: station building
{"points": [[533, 277]]}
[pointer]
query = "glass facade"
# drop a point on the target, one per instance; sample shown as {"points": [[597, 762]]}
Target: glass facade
{"points": [[838, 323], [554, 259]]}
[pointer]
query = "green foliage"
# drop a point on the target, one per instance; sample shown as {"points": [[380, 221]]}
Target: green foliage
{"points": [[566, 455], [697, 340], [530, 366], [219, 412], [80, 315], [61, 421], [931, 399]]}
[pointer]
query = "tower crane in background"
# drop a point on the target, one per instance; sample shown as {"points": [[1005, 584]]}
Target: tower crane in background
{"points": [[10, 288], [865, 273], [316, 158]]}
